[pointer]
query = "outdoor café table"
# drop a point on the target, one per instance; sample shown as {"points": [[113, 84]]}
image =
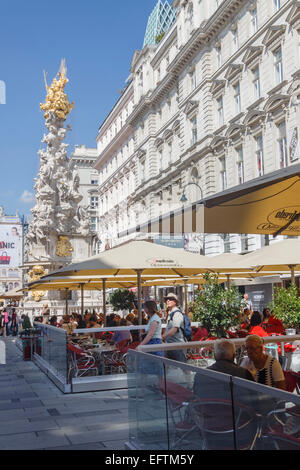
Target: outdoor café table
{"points": [[97, 352]]}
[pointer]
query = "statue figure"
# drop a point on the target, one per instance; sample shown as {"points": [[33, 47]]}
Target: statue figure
{"points": [[57, 101], [63, 247]]}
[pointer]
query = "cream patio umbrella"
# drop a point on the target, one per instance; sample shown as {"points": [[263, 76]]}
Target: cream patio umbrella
{"points": [[279, 256], [136, 258], [82, 284]]}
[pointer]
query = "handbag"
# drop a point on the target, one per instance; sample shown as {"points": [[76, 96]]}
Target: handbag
{"points": [[4, 258]]}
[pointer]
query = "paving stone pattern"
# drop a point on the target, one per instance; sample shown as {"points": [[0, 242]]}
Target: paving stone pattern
{"points": [[35, 414]]}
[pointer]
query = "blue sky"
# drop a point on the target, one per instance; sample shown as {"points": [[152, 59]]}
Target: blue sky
{"points": [[97, 38]]}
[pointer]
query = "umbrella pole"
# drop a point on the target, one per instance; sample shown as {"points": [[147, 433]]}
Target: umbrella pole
{"points": [[292, 268], [139, 273], [155, 293], [104, 300], [185, 298], [228, 281], [82, 299], [67, 301]]}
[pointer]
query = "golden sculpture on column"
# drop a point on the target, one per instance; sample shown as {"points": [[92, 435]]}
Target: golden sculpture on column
{"points": [[57, 100]]}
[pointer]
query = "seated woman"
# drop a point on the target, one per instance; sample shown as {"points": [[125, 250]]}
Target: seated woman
{"points": [[119, 336], [199, 333], [265, 369], [245, 320], [81, 323], [153, 327], [53, 321], [68, 325], [271, 321], [255, 325]]}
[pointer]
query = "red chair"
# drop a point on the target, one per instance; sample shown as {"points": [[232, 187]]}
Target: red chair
{"points": [[81, 362], [218, 426], [296, 376], [178, 400], [290, 381]]}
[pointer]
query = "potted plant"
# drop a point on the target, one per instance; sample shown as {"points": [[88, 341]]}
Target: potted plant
{"points": [[286, 306], [216, 308], [122, 299]]}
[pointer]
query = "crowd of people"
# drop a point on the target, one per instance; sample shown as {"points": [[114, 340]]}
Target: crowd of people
{"points": [[261, 367]]}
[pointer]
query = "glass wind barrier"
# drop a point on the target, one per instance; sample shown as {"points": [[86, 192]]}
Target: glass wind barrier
{"points": [[175, 406], [51, 347], [271, 417]]}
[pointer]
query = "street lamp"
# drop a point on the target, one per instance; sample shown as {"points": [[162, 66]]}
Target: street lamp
{"points": [[184, 198]]}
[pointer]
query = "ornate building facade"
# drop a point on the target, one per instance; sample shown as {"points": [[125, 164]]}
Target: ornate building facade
{"points": [[215, 102]]}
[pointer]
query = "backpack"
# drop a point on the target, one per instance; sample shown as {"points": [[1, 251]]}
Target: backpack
{"points": [[187, 327]]}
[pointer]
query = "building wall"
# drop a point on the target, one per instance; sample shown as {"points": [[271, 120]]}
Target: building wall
{"points": [[214, 103]]}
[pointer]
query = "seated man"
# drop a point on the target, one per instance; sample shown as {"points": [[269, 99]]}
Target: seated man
{"points": [[224, 354]]}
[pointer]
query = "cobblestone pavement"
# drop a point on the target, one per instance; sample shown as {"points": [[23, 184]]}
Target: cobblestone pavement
{"points": [[35, 414]]}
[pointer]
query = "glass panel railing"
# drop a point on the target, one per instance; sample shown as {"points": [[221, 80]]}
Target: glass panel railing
{"points": [[52, 348], [175, 406], [266, 418], [148, 424], [196, 399]]}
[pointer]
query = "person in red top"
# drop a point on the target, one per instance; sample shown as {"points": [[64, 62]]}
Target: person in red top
{"points": [[255, 325], [273, 324]]}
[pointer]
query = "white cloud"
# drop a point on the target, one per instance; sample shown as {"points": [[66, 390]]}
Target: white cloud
{"points": [[27, 197]]}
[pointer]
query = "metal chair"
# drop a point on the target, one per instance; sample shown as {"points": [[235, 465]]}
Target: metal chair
{"points": [[81, 362], [224, 426]]}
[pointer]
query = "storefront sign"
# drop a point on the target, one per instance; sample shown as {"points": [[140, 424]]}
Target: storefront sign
{"points": [[281, 217]]}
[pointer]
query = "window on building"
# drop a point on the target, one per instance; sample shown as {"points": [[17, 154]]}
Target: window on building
{"points": [[194, 131], [254, 20], [193, 79], [94, 181], [276, 5], [237, 98], [235, 39], [191, 17], [226, 242], [256, 83], [240, 164], [223, 176], [219, 55], [220, 111], [282, 145], [170, 151], [142, 171], [94, 202], [244, 242], [94, 224], [278, 65], [259, 155]]}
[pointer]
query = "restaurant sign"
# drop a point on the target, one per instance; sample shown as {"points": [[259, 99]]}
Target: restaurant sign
{"points": [[161, 262], [279, 218]]}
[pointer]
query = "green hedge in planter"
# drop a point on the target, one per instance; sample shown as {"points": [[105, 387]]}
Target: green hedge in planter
{"points": [[286, 306], [122, 299], [216, 308]]}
